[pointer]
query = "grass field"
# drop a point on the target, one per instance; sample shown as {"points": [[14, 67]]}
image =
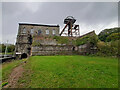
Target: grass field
{"points": [[7, 68], [70, 72]]}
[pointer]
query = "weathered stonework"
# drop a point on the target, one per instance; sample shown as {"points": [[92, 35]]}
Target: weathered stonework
{"points": [[26, 33], [38, 29], [35, 39], [53, 50]]}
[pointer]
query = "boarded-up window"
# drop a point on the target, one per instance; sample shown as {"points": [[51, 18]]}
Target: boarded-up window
{"points": [[39, 32]]}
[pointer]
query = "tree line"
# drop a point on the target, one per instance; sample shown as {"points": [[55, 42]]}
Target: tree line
{"points": [[107, 42], [10, 48]]}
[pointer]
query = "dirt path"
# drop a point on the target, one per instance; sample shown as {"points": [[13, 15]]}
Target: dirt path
{"points": [[14, 76]]}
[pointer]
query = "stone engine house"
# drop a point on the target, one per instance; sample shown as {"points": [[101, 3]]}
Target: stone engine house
{"points": [[38, 39], [26, 32]]}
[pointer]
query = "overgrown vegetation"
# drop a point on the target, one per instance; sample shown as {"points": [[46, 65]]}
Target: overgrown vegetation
{"points": [[108, 48], [87, 39], [62, 39], [109, 42], [106, 42], [35, 43], [107, 32], [113, 37]]}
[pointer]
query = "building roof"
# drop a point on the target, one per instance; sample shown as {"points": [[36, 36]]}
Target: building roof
{"points": [[38, 25], [88, 33]]}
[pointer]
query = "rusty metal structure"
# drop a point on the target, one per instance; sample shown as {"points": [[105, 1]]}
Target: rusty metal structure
{"points": [[70, 29]]}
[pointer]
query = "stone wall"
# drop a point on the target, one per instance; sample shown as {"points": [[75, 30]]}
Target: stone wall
{"points": [[23, 45], [26, 32], [44, 40], [33, 29], [87, 49], [35, 43], [53, 50]]}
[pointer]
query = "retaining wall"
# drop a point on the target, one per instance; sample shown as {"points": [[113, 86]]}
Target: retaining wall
{"points": [[53, 50]]}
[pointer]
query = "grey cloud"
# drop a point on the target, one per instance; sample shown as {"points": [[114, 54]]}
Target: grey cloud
{"points": [[93, 14]]}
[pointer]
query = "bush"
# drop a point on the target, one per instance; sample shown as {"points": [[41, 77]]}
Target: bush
{"points": [[83, 40], [87, 39], [35, 43], [107, 48], [107, 32], [10, 48], [113, 37], [62, 39]]}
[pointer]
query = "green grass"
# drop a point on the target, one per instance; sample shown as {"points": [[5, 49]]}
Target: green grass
{"points": [[5, 83], [70, 72], [7, 68]]}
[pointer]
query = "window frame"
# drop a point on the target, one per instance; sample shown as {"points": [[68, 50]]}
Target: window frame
{"points": [[39, 31], [47, 32], [32, 31], [53, 31], [24, 30]]}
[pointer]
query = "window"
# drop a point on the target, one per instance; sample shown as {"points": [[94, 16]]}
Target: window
{"points": [[39, 32], [24, 30], [47, 31], [32, 30], [53, 32]]}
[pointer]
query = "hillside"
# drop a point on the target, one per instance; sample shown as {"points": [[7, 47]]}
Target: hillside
{"points": [[107, 32]]}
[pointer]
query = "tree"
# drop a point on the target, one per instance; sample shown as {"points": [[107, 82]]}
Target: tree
{"points": [[3, 48], [107, 32], [113, 37], [93, 40], [87, 39], [11, 48]]}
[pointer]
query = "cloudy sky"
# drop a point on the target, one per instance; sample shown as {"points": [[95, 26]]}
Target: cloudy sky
{"points": [[90, 15]]}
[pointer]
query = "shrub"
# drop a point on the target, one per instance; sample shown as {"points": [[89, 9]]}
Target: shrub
{"points": [[113, 37], [35, 43], [62, 39], [87, 39], [83, 40], [107, 48], [107, 32]]}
